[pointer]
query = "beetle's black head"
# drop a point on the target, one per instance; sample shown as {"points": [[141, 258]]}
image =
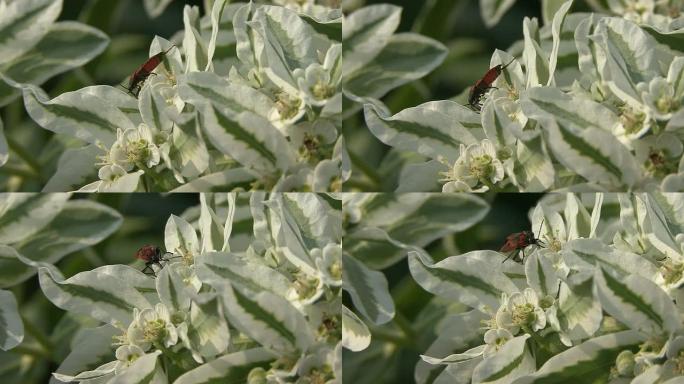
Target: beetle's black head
{"points": [[530, 239]]}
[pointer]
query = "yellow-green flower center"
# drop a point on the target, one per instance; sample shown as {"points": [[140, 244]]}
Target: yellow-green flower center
{"points": [[154, 330], [287, 106], [322, 91], [679, 363], [137, 152], [523, 315], [666, 104], [625, 363], [481, 167], [316, 376], [672, 272], [633, 121], [305, 286]]}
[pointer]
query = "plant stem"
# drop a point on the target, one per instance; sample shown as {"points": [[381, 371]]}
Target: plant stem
{"points": [[23, 154], [537, 339], [17, 171], [32, 351], [37, 334], [390, 337], [405, 325], [366, 169]]}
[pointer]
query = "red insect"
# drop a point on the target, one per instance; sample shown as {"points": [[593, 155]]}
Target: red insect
{"points": [[483, 85], [143, 72], [151, 255], [517, 242]]}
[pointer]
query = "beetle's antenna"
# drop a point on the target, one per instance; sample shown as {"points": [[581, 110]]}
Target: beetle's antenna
{"points": [[509, 63]]}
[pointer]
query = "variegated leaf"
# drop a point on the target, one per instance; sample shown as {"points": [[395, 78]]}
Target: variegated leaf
{"points": [[464, 278], [368, 290], [93, 293], [637, 302], [267, 318]]}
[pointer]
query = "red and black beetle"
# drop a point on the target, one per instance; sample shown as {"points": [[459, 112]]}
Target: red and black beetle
{"points": [[144, 71], [151, 255], [483, 85], [517, 242]]}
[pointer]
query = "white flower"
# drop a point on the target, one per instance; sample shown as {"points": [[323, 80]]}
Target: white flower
{"points": [[152, 326], [126, 355], [659, 97], [495, 339], [135, 147], [475, 170], [659, 155], [111, 172], [329, 264], [521, 310], [319, 83]]}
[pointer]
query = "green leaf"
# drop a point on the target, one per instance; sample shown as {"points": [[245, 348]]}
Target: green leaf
{"points": [[432, 129], [465, 278], [365, 33], [288, 43], [4, 149], [143, 370], [93, 293], [92, 347], [591, 360], [23, 215], [79, 225], [180, 237], [75, 167], [631, 56], [268, 318], [355, 334], [587, 254], [593, 153], [155, 8], [541, 275], [513, 360], [556, 27], [207, 334], [11, 327], [405, 58], [208, 88], [578, 314], [23, 24], [416, 219], [368, 290], [225, 181], [535, 59], [637, 302], [66, 46], [250, 139], [173, 290], [217, 267], [493, 10], [231, 368], [78, 114], [194, 45]]}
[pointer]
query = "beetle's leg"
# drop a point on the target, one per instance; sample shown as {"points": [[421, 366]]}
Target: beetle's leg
{"points": [[512, 254], [559, 287], [151, 270]]}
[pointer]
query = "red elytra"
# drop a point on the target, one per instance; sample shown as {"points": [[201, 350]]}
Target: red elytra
{"points": [[484, 84], [151, 255], [144, 71], [517, 242], [148, 253]]}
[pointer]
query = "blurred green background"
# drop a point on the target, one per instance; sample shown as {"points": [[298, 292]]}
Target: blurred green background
{"points": [[131, 32], [145, 217], [458, 25], [396, 346]]}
